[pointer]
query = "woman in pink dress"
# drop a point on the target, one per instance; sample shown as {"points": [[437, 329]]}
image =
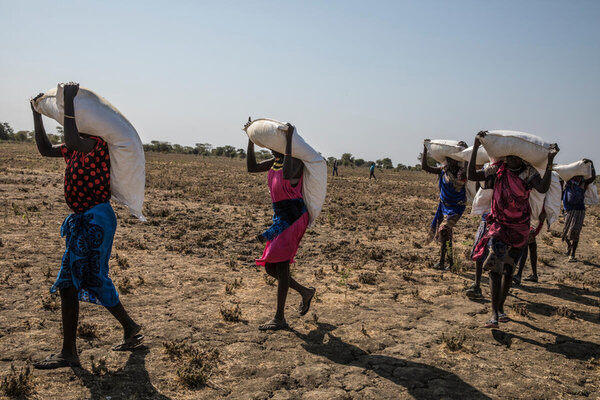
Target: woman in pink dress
{"points": [[290, 219]]}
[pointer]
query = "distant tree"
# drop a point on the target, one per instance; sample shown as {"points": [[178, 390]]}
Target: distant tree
{"points": [[241, 153], [203, 149], [23, 136], [430, 161], [359, 162], [387, 163], [263, 155], [347, 159], [330, 160], [6, 131], [401, 167]]}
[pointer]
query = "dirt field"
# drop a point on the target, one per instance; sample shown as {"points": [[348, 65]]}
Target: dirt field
{"points": [[384, 325]]}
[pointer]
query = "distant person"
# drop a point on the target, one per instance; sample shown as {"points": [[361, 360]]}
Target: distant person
{"points": [[474, 291], [508, 221], [531, 250], [574, 209], [89, 232], [335, 167], [452, 204], [290, 220], [372, 172]]}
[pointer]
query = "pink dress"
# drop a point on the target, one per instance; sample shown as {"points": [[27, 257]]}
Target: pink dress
{"points": [[284, 237]]}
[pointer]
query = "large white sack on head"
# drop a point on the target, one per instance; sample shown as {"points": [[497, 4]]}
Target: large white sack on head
{"points": [[439, 149], [549, 201], [576, 168], [95, 116], [482, 204], [530, 148], [465, 155], [271, 134], [591, 195]]}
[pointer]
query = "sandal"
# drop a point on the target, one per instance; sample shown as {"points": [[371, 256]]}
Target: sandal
{"points": [[273, 325], [517, 279], [531, 278], [54, 361], [129, 343], [439, 267], [304, 307], [492, 323], [572, 259], [503, 318], [474, 292]]}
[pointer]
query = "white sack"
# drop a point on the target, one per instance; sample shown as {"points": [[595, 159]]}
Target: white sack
{"points": [[465, 155], [471, 190], [482, 203], [576, 168], [591, 195], [271, 134], [439, 149], [95, 116], [530, 148], [550, 201]]}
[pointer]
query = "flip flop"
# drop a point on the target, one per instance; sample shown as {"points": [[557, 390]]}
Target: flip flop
{"points": [[129, 343], [303, 309], [503, 318], [492, 323], [273, 325], [54, 361]]}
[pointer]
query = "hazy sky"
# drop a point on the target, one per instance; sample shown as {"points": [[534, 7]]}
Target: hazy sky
{"points": [[373, 78]]}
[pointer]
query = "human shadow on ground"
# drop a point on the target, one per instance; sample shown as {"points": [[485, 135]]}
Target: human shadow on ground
{"points": [[565, 345], [421, 380], [130, 382], [564, 292]]}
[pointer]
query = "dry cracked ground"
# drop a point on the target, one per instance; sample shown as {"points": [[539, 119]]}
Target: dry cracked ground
{"points": [[384, 325]]}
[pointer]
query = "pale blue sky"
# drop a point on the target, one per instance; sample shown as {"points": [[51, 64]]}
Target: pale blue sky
{"points": [[373, 78]]}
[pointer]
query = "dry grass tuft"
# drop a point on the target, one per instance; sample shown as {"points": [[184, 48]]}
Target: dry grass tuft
{"points": [[195, 365], [231, 314], [454, 341], [18, 383]]}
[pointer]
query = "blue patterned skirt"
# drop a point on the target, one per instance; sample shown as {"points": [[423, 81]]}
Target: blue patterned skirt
{"points": [[89, 238]]}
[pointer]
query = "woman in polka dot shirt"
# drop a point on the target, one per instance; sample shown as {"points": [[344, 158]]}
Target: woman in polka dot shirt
{"points": [[89, 233]]}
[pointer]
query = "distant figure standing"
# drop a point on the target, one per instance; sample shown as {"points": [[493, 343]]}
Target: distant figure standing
{"points": [[335, 168], [372, 172]]}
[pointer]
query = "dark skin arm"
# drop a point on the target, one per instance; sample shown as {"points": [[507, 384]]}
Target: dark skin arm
{"points": [[588, 182], [73, 140], [251, 163], [472, 173], [44, 146], [543, 184], [425, 167], [292, 167]]}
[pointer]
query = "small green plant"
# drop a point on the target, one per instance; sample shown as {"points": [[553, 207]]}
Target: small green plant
{"points": [[18, 383], [231, 314]]}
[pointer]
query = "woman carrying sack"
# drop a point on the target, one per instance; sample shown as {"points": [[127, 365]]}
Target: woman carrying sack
{"points": [[574, 206], [89, 233], [290, 220], [508, 221]]}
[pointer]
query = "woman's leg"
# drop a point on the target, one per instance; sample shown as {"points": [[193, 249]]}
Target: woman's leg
{"points": [[506, 281], [522, 261], [533, 257], [495, 291], [283, 285], [574, 247], [130, 328], [69, 304]]}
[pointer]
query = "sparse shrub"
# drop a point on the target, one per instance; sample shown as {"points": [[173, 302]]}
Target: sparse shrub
{"points": [[368, 278], [87, 331], [18, 383], [269, 280], [564, 311], [49, 302], [194, 365], [407, 275], [121, 261], [230, 287], [376, 254], [453, 342], [231, 314], [415, 293], [363, 330], [319, 273], [99, 368], [125, 286], [520, 309]]}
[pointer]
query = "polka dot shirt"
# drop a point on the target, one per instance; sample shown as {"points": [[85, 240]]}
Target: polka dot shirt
{"points": [[87, 176]]}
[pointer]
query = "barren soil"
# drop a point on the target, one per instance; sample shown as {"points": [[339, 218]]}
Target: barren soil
{"points": [[384, 324]]}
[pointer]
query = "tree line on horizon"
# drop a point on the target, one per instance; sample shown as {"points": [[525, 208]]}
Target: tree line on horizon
{"points": [[7, 133]]}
